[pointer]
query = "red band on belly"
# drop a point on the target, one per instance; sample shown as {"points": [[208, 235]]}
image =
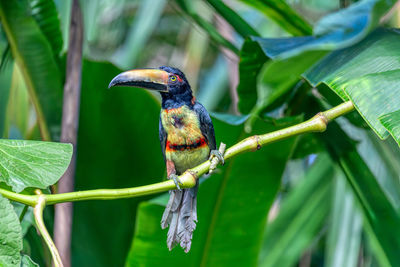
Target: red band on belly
{"points": [[176, 147]]}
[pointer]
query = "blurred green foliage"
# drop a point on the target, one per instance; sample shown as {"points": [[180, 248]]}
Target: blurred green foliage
{"points": [[328, 199]]}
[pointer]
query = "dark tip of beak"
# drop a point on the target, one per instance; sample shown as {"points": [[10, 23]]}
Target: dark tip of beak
{"points": [[114, 82]]}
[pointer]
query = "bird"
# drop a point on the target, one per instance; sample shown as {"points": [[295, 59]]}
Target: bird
{"points": [[187, 138]]}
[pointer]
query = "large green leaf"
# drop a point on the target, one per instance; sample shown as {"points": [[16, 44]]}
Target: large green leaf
{"points": [[345, 228], [391, 122], [33, 54], [280, 12], [334, 31], [239, 24], [301, 216], [381, 158], [118, 147], [232, 208], [367, 74], [46, 15], [32, 163], [380, 218], [10, 235], [338, 30], [252, 58], [277, 77]]}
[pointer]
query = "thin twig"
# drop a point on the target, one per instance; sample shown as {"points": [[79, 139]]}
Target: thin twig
{"points": [[69, 131], [316, 124]]}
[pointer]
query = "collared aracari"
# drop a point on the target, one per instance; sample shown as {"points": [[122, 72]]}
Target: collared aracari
{"points": [[187, 139]]}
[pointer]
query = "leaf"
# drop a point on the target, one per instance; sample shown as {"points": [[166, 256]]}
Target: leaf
{"points": [[118, 147], [232, 208], [391, 122], [33, 54], [252, 58], [381, 158], [5, 81], [355, 22], [18, 107], [64, 12], [367, 74], [28, 262], [300, 218], [10, 235], [380, 218], [189, 9], [344, 232], [333, 32], [280, 12], [277, 77], [32, 163], [46, 15], [237, 22]]}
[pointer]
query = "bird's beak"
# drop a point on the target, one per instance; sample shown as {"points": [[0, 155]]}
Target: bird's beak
{"points": [[153, 79]]}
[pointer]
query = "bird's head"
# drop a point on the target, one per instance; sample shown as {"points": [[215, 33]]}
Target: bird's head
{"points": [[169, 81]]}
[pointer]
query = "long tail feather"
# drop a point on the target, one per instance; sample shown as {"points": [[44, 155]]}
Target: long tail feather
{"points": [[181, 216], [172, 206]]}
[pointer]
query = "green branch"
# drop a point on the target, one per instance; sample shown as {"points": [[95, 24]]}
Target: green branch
{"points": [[318, 123]]}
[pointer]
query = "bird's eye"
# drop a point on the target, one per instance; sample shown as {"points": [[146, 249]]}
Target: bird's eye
{"points": [[173, 78]]}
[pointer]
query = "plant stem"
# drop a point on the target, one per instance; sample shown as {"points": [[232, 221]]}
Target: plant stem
{"points": [[318, 123], [38, 212], [30, 200], [108, 194]]}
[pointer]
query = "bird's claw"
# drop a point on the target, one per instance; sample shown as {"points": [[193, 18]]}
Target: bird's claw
{"points": [[219, 159], [217, 154], [176, 180]]}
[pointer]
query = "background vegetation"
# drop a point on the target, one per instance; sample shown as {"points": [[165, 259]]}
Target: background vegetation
{"points": [[327, 199]]}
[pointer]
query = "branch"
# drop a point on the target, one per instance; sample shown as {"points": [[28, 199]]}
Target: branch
{"points": [[38, 213], [69, 130], [316, 124]]}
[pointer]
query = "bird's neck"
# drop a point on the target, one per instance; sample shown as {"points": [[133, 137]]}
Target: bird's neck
{"points": [[176, 100]]}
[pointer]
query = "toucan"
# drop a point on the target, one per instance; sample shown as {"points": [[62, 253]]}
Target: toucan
{"points": [[187, 139]]}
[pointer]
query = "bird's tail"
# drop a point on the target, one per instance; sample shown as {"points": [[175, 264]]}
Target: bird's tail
{"points": [[181, 216]]}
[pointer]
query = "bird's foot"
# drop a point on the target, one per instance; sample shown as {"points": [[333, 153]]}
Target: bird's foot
{"points": [[217, 156], [176, 180]]}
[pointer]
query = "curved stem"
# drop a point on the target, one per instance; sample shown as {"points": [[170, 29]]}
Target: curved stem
{"points": [[38, 212], [318, 123]]}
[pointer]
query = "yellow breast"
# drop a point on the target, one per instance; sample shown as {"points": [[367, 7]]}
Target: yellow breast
{"points": [[185, 145], [182, 125]]}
